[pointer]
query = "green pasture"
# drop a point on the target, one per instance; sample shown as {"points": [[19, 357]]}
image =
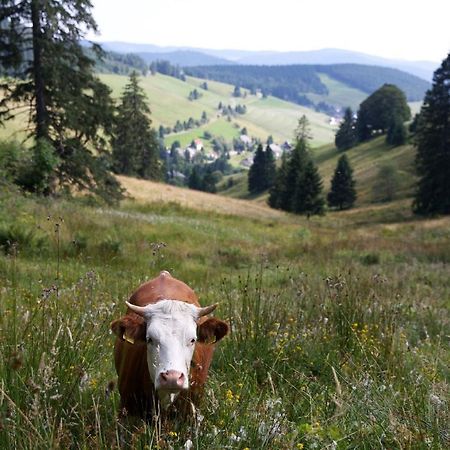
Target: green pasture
{"points": [[339, 325], [339, 94]]}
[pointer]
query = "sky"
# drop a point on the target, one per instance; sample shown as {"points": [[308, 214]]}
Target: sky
{"points": [[400, 29]]}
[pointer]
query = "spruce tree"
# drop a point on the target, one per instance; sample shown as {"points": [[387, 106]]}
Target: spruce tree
{"points": [[278, 190], [346, 134], [269, 168], [433, 146], [257, 173], [306, 184], [135, 146], [298, 186], [70, 109], [342, 193]]}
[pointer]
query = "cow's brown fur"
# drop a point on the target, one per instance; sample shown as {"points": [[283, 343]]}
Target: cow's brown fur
{"points": [[137, 394]]}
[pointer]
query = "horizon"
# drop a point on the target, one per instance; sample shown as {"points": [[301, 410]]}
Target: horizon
{"points": [[408, 33], [200, 49]]}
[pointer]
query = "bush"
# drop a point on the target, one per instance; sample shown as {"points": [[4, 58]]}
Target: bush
{"points": [[11, 155], [19, 238]]}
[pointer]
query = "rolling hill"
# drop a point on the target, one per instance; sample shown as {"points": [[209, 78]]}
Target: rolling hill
{"points": [[169, 102], [422, 69], [294, 82], [366, 159]]}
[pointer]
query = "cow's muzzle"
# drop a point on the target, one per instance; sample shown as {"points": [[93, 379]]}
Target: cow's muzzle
{"points": [[171, 380]]}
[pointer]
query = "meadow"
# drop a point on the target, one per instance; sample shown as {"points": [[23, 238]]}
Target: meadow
{"points": [[339, 324]]}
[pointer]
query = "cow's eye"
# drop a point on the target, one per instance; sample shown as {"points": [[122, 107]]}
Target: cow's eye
{"points": [[149, 340], [193, 340]]}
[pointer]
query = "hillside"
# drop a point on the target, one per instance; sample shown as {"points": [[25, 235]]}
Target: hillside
{"points": [[294, 82], [366, 160], [169, 102]]}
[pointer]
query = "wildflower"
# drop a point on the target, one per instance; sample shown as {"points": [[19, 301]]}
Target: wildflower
{"points": [[300, 446], [173, 434]]}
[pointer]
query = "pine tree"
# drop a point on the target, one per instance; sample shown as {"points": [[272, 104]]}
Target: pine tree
{"points": [[306, 195], [278, 192], [135, 146], [298, 186], [71, 110], [195, 180], [257, 173], [346, 135], [433, 146], [342, 193], [270, 168], [311, 185]]}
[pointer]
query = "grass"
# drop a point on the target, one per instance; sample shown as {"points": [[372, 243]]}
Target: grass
{"points": [[339, 324], [366, 159], [339, 94], [168, 99]]}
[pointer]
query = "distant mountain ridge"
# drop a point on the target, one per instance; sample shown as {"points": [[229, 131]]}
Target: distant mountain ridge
{"points": [[177, 55], [293, 82]]}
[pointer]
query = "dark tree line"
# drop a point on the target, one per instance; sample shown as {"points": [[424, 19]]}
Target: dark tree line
{"points": [[286, 82], [369, 78], [118, 63]]}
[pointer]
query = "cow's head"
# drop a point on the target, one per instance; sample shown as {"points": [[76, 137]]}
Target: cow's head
{"points": [[170, 329]]}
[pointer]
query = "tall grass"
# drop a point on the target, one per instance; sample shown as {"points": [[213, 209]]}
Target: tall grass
{"points": [[326, 350]]}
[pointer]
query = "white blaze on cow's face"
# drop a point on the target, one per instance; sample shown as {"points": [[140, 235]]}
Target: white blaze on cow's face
{"points": [[171, 333]]}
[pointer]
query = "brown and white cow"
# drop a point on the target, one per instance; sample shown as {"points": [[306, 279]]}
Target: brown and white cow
{"points": [[164, 345]]}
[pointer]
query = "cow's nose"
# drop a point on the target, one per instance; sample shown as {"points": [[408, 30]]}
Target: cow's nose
{"points": [[171, 379]]}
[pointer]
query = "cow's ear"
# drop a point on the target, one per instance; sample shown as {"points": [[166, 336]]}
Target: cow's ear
{"points": [[131, 328], [211, 330]]}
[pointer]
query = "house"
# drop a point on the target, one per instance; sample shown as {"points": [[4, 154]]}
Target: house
{"points": [[245, 139], [276, 149], [198, 144]]}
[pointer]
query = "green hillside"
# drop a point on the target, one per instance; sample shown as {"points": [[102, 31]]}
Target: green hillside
{"points": [[366, 160], [168, 99], [339, 94]]}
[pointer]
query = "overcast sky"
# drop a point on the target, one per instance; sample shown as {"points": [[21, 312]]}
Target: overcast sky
{"points": [[404, 29]]}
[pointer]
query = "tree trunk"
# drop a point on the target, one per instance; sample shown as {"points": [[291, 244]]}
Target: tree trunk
{"points": [[39, 86]]}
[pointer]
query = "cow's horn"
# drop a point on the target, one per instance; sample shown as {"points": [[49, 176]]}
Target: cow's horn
{"points": [[141, 310], [207, 310]]}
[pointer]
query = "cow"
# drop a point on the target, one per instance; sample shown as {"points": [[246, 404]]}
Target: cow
{"points": [[164, 346]]}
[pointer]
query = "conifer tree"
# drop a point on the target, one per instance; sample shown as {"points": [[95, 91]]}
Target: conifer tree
{"points": [[278, 192], [433, 146], [306, 195], [342, 193], [298, 187], [346, 134], [257, 172], [70, 109], [135, 146], [270, 168]]}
